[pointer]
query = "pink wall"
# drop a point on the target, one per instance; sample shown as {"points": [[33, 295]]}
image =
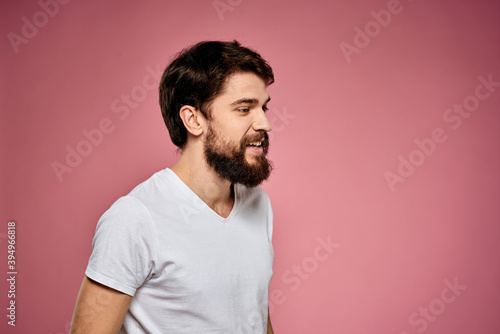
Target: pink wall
{"points": [[386, 146]]}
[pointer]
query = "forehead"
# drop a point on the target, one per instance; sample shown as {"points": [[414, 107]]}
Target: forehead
{"points": [[248, 85]]}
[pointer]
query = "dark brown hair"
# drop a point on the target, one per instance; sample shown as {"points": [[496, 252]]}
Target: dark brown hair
{"points": [[197, 76]]}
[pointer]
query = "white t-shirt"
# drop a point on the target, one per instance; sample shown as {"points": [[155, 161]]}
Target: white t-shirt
{"points": [[188, 269]]}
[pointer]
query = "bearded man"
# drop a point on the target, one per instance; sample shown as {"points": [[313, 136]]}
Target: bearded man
{"points": [[189, 250]]}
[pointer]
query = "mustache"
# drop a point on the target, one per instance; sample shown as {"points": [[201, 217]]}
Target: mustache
{"points": [[264, 138]]}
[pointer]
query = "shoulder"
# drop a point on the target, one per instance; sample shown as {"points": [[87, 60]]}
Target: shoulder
{"points": [[158, 181], [126, 207], [126, 218], [150, 193], [132, 211], [137, 207]]}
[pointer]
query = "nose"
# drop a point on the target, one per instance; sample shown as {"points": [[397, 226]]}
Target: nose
{"points": [[261, 122]]}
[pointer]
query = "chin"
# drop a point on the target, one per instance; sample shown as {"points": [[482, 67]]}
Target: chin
{"points": [[252, 160]]}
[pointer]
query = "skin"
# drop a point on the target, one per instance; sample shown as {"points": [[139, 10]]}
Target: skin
{"points": [[100, 309]]}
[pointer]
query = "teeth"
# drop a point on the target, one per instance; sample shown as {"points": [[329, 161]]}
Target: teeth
{"points": [[255, 143]]}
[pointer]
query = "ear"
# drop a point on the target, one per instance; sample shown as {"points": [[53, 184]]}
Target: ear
{"points": [[193, 119]]}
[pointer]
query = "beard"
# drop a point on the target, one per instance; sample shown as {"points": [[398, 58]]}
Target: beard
{"points": [[229, 161]]}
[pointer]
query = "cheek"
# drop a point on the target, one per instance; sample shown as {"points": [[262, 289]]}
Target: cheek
{"points": [[235, 134], [231, 129], [228, 138]]}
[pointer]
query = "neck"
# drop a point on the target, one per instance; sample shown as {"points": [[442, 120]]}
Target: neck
{"points": [[216, 192]]}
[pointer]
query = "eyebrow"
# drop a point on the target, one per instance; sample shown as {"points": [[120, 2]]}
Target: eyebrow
{"points": [[248, 101]]}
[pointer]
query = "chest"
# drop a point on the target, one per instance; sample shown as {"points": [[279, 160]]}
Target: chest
{"points": [[207, 258]]}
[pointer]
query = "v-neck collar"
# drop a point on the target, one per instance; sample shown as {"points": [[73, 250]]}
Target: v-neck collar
{"points": [[189, 192]]}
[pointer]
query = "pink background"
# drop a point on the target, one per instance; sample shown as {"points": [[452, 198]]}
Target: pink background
{"points": [[341, 124]]}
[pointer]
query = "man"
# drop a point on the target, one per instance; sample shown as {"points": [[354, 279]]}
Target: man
{"points": [[189, 250]]}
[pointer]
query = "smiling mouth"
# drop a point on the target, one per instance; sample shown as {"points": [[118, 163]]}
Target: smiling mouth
{"points": [[256, 148], [255, 144]]}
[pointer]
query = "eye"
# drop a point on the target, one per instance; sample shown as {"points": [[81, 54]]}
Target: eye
{"points": [[245, 110], [265, 108]]}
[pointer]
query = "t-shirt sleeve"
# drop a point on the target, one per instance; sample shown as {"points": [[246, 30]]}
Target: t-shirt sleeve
{"points": [[123, 248]]}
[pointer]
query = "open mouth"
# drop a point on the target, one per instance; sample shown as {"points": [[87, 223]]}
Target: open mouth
{"points": [[256, 147], [255, 144]]}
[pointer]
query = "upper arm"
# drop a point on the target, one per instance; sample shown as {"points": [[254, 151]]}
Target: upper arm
{"points": [[99, 309]]}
